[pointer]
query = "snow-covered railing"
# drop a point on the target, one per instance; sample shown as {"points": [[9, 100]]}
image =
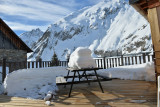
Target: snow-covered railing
{"points": [[103, 62], [123, 60], [43, 64]]}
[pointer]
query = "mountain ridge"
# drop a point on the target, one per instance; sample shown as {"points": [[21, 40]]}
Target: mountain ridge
{"points": [[106, 26]]}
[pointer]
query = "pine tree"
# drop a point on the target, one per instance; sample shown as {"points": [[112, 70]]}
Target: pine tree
{"points": [[54, 61]]}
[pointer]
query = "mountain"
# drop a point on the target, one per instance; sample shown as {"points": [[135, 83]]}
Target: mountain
{"points": [[31, 37], [106, 26]]}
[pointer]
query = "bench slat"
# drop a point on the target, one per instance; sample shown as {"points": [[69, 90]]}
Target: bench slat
{"points": [[77, 82]]}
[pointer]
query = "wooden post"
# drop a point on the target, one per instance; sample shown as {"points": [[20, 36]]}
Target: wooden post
{"points": [[40, 63], [43, 63], [154, 19], [140, 61], [144, 58], [136, 59], [107, 63], [98, 63], [132, 61], [10, 67], [33, 64], [3, 69], [28, 64], [122, 63], [36, 64], [115, 62]]}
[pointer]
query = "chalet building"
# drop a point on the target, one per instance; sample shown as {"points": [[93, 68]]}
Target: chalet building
{"points": [[12, 49], [150, 9]]}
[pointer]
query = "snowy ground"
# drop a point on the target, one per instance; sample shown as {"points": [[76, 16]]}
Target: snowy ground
{"points": [[144, 71], [35, 83], [32, 83]]}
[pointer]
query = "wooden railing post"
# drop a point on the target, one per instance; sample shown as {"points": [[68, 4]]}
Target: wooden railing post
{"points": [[122, 63], [10, 67], [3, 69], [28, 64], [144, 58], [104, 62], [32, 64], [36, 64], [40, 63]]}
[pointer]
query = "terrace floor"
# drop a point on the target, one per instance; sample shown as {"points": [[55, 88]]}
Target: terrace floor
{"points": [[117, 93]]}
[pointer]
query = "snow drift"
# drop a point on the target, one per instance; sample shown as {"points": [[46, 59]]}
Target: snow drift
{"points": [[81, 58], [32, 83], [144, 71]]}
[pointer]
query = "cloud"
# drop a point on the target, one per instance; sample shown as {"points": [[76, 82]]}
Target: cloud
{"points": [[33, 9], [30, 14], [25, 27]]}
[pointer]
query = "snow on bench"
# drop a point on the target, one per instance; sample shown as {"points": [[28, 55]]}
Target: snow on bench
{"points": [[60, 80]]}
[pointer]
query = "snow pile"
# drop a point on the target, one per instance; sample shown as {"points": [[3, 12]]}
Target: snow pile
{"points": [[133, 72], [33, 83], [48, 103], [49, 97], [81, 58]]}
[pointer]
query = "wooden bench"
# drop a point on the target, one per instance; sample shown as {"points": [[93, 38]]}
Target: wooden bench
{"points": [[63, 80]]}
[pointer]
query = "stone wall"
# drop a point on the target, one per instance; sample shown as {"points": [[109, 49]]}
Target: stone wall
{"points": [[15, 59]]}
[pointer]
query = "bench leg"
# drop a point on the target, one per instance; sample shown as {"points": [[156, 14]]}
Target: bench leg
{"points": [[86, 77], [98, 81], [79, 76], [72, 84], [67, 78]]}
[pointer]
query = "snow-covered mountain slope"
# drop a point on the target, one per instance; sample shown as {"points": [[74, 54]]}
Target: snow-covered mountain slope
{"points": [[108, 25], [31, 37]]}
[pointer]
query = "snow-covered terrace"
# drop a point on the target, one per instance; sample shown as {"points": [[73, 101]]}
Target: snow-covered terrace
{"points": [[135, 87], [117, 93]]}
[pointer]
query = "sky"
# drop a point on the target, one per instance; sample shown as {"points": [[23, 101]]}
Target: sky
{"points": [[25, 15]]}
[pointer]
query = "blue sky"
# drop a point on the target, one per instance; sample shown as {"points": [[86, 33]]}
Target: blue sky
{"points": [[25, 15]]}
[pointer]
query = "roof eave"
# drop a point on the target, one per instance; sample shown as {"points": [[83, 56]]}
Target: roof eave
{"points": [[133, 1], [27, 48]]}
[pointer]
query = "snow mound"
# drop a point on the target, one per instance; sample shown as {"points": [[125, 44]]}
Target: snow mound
{"points": [[81, 58], [144, 71], [33, 83], [48, 103]]}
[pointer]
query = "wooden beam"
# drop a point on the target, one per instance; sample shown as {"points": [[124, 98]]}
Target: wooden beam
{"points": [[154, 5], [141, 2], [144, 6], [151, 2], [154, 19], [3, 69]]}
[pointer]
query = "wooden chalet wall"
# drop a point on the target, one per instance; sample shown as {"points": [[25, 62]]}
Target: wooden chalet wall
{"points": [[6, 43], [9, 35], [12, 49]]}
